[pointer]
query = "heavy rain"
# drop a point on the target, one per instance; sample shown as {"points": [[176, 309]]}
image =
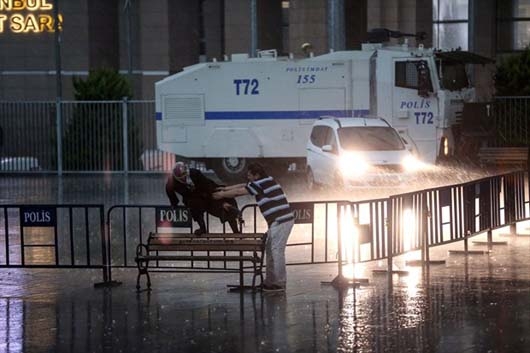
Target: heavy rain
{"points": [[392, 213], [478, 303]]}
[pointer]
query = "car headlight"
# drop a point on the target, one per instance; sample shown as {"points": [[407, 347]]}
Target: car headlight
{"points": [[353, 165], [412, 164]]}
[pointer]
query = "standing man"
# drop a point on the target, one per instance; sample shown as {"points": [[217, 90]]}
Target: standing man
{"points": [[275, 209]]}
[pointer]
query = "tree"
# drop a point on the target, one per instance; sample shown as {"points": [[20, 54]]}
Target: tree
{"points": [[513, 79], [93, 135], [513, 75], [101, 85]]}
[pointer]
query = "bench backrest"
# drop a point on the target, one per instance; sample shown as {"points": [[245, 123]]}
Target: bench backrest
{"points": [[254, 242], [504, 150], [207, 236], [501, 155]]}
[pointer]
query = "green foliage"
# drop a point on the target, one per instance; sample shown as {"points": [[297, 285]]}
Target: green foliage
{"points": [[513, 75], [511, 117], [102, 84], [93, 138]]}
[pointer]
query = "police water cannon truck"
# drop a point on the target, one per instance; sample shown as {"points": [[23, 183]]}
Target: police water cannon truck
{"points": [[229, 113]]}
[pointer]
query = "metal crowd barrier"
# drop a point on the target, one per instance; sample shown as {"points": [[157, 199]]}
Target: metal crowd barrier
{"points": [[129, 225], [342, 232], [419, 220], [53, 236]]}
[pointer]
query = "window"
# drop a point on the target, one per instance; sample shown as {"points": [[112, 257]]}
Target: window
{"points": [[453, 75], [202, 35], [450, 24], [406, 75], [513, 25], [317, 135], [370, 139], [285, 27], [331, 139]]}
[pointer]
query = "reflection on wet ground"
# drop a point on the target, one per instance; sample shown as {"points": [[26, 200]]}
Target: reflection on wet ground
{"points": [[443, 310], [470, 304]]}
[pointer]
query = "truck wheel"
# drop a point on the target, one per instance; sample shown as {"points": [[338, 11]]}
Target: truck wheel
{"points": [[231, 168]]}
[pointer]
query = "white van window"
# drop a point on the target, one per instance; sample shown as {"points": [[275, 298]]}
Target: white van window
{"points": [[366, 138], [318, 134], [331, 139]]}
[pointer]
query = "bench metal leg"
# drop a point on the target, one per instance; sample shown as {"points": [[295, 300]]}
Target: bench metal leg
{"points": [[257, 266], [143, 266], [257, 272], [241, 287], [143, 269]]}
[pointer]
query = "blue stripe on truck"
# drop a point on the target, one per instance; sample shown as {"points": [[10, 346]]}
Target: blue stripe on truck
{"points": [[279, 115]]}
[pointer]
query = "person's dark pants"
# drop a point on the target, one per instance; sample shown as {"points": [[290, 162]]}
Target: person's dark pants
{"points": [[198, 206]]}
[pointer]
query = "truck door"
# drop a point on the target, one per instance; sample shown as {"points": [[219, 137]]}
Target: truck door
{"points": [[414, 105]]}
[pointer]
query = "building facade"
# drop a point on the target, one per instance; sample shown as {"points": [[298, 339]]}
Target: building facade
{"points": [[148, 40]]}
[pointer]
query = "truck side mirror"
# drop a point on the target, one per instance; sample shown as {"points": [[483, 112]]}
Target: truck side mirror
{"points": [[424, 79], [328, 148]]}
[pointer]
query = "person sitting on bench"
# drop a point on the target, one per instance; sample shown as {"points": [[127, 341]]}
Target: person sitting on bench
{"points": [[196, 190]]}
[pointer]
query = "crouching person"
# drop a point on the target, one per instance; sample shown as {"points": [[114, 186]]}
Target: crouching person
{"points": [[196, 190]]}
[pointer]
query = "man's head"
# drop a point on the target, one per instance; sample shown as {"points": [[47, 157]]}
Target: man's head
{"points": [[180, 172], [255, 172]]}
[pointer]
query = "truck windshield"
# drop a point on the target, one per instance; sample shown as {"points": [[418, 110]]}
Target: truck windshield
{"points": [[370, 138], [454, 77]]}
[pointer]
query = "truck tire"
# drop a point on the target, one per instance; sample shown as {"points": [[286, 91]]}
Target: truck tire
{"points": [[231, 169]]}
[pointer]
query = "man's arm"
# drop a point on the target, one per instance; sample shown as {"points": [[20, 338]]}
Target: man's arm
{"points": [[230, 187], [230, 192]]}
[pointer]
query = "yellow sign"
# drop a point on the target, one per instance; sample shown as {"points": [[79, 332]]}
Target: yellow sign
{"points": [[24, 16]]}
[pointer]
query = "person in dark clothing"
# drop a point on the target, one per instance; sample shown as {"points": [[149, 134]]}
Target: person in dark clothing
{"points": [[196, 190]]}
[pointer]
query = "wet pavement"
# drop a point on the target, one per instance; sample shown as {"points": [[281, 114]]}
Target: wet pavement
{"points": [[478, 303], [474, 303]]}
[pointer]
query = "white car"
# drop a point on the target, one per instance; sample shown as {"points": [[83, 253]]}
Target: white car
{"points": [[358, 152]]}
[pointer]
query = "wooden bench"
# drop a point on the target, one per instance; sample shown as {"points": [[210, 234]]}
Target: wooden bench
{"points": [[244, 249], [503, 156]]}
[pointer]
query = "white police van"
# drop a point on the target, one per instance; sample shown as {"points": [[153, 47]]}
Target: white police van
{"points": [[358, 152]]}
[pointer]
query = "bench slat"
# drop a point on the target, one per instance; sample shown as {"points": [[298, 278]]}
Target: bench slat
{"points": [[204, 247], [206, 235], [503, 155], [202, 244], [213, 242], [203, 241], [197, 258]]}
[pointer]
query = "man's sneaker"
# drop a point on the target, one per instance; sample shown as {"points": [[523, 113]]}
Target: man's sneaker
{"points": [[273, 288]]}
